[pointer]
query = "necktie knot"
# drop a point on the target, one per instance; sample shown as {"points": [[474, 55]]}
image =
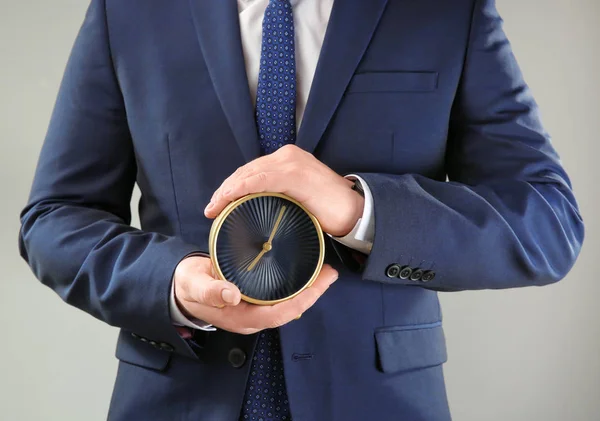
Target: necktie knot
{"points": [[285, 3]]}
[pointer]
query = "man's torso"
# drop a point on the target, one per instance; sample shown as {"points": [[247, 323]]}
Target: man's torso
{"points": [[380, 102]]}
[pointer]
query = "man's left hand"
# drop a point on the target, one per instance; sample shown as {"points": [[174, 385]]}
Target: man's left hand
{"points": [[299, 175]]}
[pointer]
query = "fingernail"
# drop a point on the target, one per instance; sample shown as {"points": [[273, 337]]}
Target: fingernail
{"points": [[227, 296], [333, 279], [209, 206]]}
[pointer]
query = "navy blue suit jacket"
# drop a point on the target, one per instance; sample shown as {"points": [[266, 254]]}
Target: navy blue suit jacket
{"points": [[423, 99]]}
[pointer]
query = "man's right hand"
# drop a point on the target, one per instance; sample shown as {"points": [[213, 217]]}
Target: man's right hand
{"points": [[199, 295]]}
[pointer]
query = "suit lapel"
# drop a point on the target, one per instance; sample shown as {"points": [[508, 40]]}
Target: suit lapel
{"points": [[218, 29], [351, 26]]}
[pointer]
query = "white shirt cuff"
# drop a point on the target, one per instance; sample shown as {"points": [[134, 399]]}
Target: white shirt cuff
{"points": [[178, 319], [362, 235]]}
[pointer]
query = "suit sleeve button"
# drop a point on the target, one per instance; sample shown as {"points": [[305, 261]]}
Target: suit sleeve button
{"points": [[166, 347], [237, 357], [405, 272], [392, 271], [428, 275], [416, 275]]}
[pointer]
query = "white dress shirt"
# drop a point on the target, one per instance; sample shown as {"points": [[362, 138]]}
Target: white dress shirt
{"points": [[311, 18]]}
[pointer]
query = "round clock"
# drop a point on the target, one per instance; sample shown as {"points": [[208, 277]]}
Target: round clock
{"points": [[268, 245]]}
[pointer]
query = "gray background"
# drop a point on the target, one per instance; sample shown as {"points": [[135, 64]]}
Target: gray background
{"points": [[529, 354]]}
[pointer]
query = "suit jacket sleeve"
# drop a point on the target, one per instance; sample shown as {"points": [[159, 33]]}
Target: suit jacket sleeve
{"points": [[507, 217], [75, 231]]}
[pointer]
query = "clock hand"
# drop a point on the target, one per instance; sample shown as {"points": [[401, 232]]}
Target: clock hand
{"points": [[257, 258], [267, 246], [276, 226]]}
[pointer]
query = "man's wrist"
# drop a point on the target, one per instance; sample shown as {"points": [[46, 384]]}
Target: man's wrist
{"points": [[179, 316], [358, 207], [360, 238]]}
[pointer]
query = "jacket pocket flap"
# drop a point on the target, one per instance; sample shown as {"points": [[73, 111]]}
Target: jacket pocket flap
{"points": [[136, 352], [393, 82], [402, 348]]}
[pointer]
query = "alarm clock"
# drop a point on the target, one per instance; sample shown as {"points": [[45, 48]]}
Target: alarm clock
{"points": [[268, 245]]}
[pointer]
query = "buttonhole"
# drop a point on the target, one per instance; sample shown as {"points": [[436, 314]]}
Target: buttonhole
{"points": [[302, 357]]}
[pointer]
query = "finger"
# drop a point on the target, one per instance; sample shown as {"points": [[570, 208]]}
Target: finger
{"points": [[285, 155], [296, 179], [231, 318], [282, 313], [242, 172], [327, 276], [247, 319], [306, 299], [213, 292], [236, 189], [218, 202], [222, 196], [264, 181]]}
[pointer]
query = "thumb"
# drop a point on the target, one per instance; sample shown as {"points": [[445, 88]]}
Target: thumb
{"points": [[213, 292]]}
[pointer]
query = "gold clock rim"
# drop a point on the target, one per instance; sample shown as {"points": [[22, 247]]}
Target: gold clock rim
{"points": [[220, 219]]}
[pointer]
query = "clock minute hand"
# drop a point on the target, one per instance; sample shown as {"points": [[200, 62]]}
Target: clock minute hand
{"points": [[267, 246], [276, 226]]}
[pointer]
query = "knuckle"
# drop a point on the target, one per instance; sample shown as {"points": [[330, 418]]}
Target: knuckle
{"points": [[277, 322], [207, 296], [180, 277], [246, 172], [202, 295], [185, 286], [182, 290], [217, 195], [236, 174], [226, 186], [262, 177], [287, 151], [309, 300], [239, 171]]}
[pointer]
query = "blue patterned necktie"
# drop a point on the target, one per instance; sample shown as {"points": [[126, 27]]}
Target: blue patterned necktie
{"points": [[276, 93], [266, 397]]}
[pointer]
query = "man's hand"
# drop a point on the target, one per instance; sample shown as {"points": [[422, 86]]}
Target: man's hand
{"points": [[301, 176], [217, 302]]}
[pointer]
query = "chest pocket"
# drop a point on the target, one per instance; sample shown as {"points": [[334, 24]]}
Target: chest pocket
{"points": [[381, 123]]}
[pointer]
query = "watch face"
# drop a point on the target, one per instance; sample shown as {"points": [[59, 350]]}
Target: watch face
{"points": [[268, 245]]}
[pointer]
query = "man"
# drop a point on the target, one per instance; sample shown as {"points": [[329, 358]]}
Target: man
{"points": [[359, 109]]}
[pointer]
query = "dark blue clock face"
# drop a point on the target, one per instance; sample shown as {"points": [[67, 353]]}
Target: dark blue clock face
{"points": [[269, 247]]}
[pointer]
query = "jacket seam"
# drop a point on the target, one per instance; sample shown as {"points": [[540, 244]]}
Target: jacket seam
{"points": [[173, 186]]}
